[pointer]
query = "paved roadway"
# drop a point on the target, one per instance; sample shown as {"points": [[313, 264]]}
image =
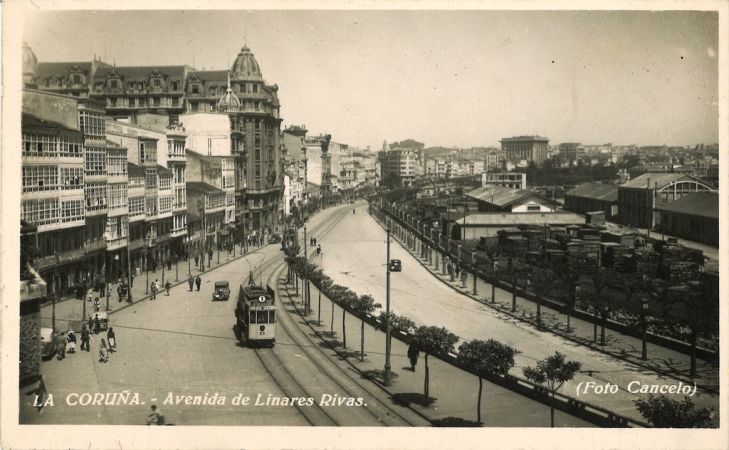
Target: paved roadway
{"points": [[184, 344], [354, 255]]}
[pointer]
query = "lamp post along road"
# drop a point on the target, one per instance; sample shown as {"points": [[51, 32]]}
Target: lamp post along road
{"points": [[388, 368]]}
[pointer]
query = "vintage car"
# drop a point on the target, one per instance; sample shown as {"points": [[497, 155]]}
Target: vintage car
{"points": [[49, 342], [222, 291]]}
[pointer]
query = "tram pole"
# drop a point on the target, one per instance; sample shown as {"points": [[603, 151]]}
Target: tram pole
{"points": [[306, 262], [388, 368]]}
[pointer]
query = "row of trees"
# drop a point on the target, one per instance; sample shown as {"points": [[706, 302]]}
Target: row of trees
{"points": [[482, 358]]}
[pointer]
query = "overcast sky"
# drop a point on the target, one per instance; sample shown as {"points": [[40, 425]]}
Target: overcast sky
{"points": [[450, 78]]}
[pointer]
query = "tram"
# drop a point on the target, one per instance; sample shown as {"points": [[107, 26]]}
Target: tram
{"points": [[256, 314]]}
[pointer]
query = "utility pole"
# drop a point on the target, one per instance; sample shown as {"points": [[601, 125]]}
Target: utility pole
{"points": [[129, 269], [388, 368], [306, 262]]}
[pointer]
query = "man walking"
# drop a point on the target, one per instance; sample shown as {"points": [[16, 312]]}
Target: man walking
{"points": [[85, 338], [190, 281], [168, 285], [153, 288], [198, 282]]}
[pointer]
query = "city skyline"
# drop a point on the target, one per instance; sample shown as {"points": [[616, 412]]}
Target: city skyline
{"points": [[653, 81]]}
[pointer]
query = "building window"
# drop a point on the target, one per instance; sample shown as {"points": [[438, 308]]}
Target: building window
{"points": [[72, 177], [165, 204], [40, 178], [150, 179], [155, 101], [136, 206], [195, 89], [175, 101], [72, 210], [113, 84], [117, 195], [165, 182], [193, 106], [255, 89], [47, 82], [156, 83], [40, 212], [95, 195], [95, 161]]}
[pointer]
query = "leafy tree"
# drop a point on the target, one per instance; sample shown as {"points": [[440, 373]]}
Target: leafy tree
{"points": [[397, 322], [432, 341], [346, 300], [694, 306], [662, 412], [597, 296], [552, 372], [364, 304], [486, 357]]}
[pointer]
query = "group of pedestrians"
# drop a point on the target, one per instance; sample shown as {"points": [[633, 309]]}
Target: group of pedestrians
{"points": [[68, 345], [194, 281], [155, 287]]}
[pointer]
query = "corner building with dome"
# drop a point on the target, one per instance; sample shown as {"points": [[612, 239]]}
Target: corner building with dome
{"points": [[160, 96]]}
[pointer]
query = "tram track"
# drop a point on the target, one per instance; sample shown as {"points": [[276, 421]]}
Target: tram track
{"points": [[373, 412]]}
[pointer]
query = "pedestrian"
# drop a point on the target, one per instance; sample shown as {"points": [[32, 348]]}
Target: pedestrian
{"points": [[155, 417], [198, 282], [168, 285], [353, 210], [112, 339], [119, 290], [191, 281], [97, 304], [103, 352], [91, 323], [85, 338], [197, 260], [71, 341], [131, 279], [154, 288], [318, 249], [59, 345], [210, 257], [413, 354], [169, 264], [97, 324]]}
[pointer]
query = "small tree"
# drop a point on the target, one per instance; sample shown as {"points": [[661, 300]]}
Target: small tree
{"points": [[433, 341], [364, 304], [397, 322], [346, 301], [552, 372], [486, 357], [662, 412]]}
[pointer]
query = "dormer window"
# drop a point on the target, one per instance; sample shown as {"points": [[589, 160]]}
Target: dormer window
{"points": [[195, 89], [113, 84], [77, 79], [156, 83], [175, 85]]}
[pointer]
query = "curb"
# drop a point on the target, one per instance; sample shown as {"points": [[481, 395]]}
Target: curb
{"points": [[553, 331]]}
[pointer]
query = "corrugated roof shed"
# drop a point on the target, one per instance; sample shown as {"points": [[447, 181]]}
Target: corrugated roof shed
{"points": [[597, 191], [511, 220], [500, 195], [660, 178], [703, 204]]}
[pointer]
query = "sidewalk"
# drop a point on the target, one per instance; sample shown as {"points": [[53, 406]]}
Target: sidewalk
{"points": [[453, 392], [661, 360], [71, 308]]}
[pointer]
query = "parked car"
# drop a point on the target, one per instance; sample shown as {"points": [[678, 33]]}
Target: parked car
{"points": [[49, 341], [222, 291]]}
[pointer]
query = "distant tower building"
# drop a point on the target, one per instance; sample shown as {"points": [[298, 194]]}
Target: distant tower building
{"points": [[529, 148], [30, 63]]}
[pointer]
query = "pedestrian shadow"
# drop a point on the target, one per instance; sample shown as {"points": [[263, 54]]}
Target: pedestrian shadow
{"points": [[407, 398], [377, 375], [455, 422]]}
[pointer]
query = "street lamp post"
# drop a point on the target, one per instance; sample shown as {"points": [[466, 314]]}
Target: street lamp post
{"points": [[644, 326], [129, 268], [388, 368]]}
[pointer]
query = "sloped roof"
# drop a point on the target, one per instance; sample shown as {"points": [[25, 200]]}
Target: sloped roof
{"points": [[135, 170], [209, 75], [704, 204], [56, 69], [49, 127], [514, 219], [659, 178], [200, 187], [501, 195], [597, 191], [142, 72], [162, 170]]}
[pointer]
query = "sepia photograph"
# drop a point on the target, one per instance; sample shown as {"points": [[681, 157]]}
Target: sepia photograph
{"points": [[303, 218]]}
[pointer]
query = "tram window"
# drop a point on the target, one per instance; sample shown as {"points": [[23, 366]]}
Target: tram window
{"points": [[272, 317], [262, 317], [252, 317]]}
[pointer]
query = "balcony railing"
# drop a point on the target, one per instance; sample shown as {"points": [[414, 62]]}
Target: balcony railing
{"points": [[117, 243]]}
